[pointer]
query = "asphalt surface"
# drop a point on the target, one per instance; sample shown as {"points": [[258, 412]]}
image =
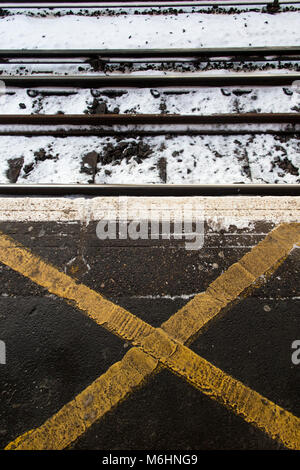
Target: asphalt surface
{"points": [[54, 351]]}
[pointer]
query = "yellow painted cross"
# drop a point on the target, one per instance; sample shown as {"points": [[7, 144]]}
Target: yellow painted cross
{"points": [[159, 347]]}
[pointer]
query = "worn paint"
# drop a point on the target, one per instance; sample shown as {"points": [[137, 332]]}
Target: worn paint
{"points": [[123, 377], [225, 209], [72, 420], [102, 311], [262, 260]]}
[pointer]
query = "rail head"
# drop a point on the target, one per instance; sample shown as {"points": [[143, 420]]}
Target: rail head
{"points": [[157, 190], [152, 52], [145, 81], [79, 4], [148, 119]]}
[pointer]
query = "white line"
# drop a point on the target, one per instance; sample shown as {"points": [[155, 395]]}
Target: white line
{"points": [[219, 212]]}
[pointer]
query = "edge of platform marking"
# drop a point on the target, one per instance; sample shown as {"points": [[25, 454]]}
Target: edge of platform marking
{"points": [[63, 209], [156, 346]]}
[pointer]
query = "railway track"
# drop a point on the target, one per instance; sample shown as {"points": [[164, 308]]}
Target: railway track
{"points": [[128, 148], [138, 124], [136, 4], [155, 119], [155, 190], [98, 57], [147, 81], [234, 53], [84, 128], [135, 125]]}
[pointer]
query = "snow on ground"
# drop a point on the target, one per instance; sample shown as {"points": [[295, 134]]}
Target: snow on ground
{"points": [[154, 101], [218, 159], [182, 159], [150, 31]]}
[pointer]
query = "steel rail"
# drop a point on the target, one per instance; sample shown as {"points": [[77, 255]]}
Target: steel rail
{"points": [[91, 190], [199, 53], [145, 81], [140, 4], [63, 133], [136, 119]]}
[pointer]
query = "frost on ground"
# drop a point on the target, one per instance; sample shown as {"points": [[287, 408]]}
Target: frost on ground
{"points": [[146, 31], [161, 159]]}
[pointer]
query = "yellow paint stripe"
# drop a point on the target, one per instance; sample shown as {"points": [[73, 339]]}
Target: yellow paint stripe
{"points": [[276, 422], [262, 260], [73, 419], [285, 236], [123, 377], [102, 311]]}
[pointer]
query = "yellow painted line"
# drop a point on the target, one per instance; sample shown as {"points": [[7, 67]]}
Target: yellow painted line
{"points": [[102, 311], [75, 417], [124, 376], [276, 422], [262, 260]]}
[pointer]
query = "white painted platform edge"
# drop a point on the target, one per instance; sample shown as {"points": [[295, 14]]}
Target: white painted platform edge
{"points": [[234, 210]]}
